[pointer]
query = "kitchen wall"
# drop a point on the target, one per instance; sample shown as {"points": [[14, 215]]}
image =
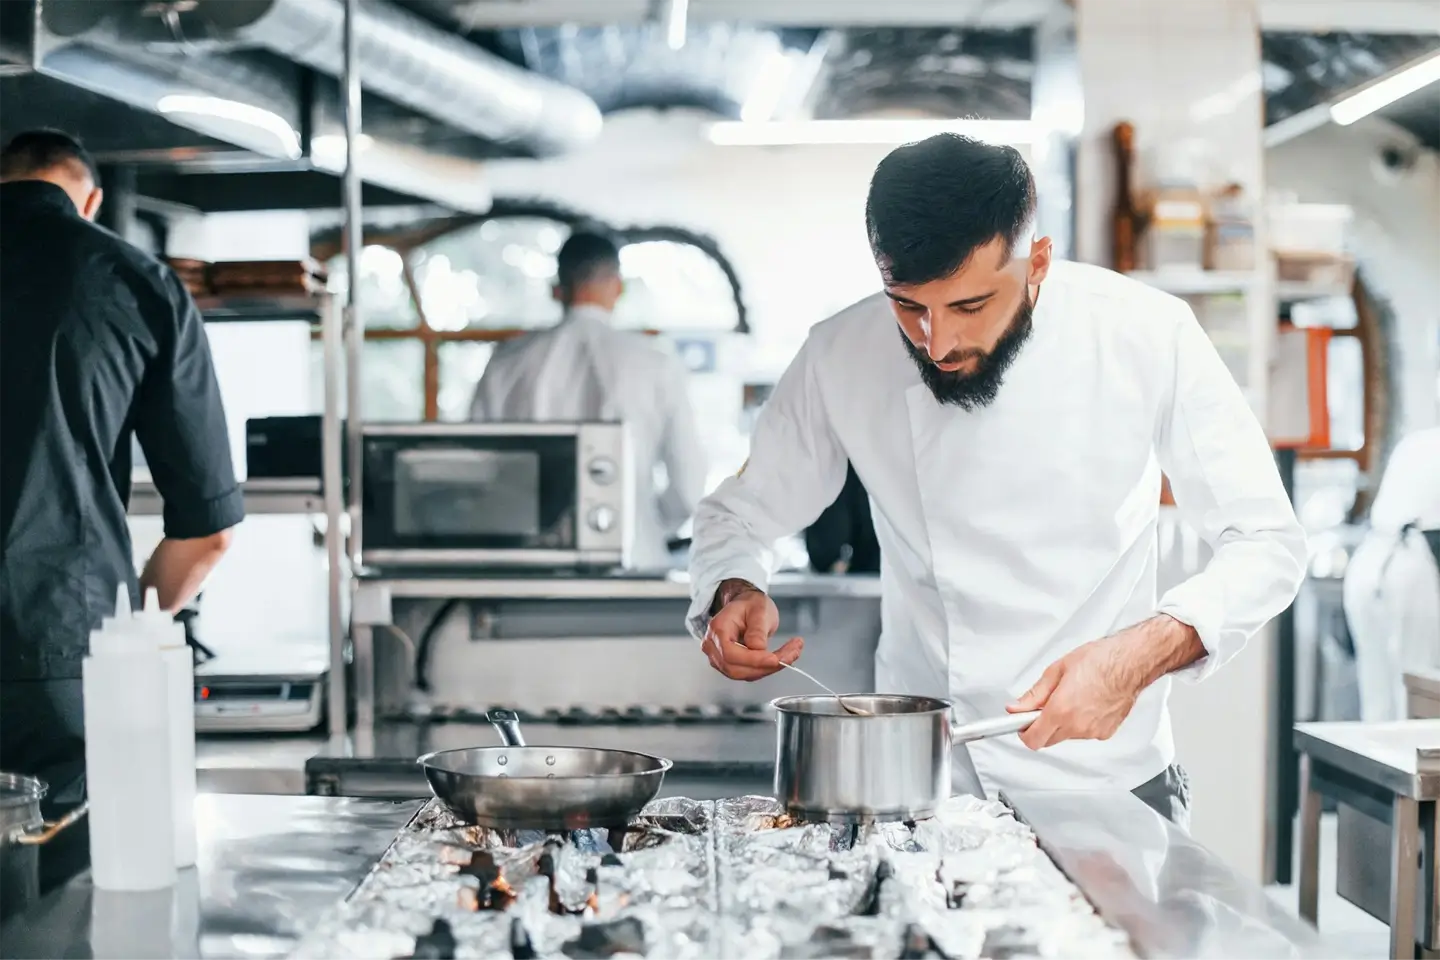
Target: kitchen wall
{"points": [[1396, 235]]}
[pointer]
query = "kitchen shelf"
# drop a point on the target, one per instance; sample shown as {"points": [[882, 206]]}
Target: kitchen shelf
{"points": [[261, 309], [262, 497], [1189, 283], [1291, 291]]}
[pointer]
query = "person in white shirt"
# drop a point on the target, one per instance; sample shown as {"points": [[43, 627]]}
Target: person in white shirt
{"points": [[1392, 585], [585, 370], [1012, 433]]}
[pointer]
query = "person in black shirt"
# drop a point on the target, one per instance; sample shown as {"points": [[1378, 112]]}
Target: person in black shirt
{"points": [[98, 342], [842, 538]]}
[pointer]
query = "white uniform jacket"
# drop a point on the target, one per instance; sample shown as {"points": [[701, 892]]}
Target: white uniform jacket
{"points": [[586, 370], [1012, 534]]}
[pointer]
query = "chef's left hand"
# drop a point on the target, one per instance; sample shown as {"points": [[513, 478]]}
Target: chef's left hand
{"points": [[1088, 693]]}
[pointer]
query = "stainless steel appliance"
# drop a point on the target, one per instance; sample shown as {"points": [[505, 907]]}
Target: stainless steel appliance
{"points": [[22, 831], [834, 766], [892, 762], [496, 495], [542, 788], [269, 691]]}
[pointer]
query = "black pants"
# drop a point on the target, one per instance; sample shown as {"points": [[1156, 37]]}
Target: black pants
{"points": [[42, 734]]}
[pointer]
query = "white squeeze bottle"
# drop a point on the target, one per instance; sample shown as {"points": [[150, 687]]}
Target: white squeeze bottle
{"points": [[127, 757], [169, 638]]}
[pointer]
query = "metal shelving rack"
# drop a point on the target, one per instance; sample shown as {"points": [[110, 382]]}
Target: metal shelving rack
{"points": [[312, 496]]}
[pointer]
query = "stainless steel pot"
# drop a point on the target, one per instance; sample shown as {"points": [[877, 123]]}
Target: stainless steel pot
{"points": [[22, 831], [836, 767]]}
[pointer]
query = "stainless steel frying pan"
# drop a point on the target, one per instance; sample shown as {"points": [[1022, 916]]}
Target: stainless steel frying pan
{"points": [[517, 787]]}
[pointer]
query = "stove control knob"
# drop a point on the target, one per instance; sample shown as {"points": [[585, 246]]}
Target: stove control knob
{"points": [[602, 519], [602, 470]]}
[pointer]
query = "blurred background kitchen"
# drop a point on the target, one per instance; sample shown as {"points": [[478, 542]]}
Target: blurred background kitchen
{"points": [[1217, 148]]}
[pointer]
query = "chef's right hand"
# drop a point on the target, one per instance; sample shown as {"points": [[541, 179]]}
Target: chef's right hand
{"points": [[738, 640]]}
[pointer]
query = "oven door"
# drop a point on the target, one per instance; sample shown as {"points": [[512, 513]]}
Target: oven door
{"points": [[518, 495]]}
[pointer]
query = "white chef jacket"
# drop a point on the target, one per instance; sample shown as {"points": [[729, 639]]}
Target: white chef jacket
{"points": [[1013, 534], [584, 369], [1392, 586]]}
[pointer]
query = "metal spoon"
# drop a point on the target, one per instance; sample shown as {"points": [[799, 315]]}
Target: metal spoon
{"points": [[839, 697]]}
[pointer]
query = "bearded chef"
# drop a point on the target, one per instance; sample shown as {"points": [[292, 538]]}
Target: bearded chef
{"points": [[1010, 416]]}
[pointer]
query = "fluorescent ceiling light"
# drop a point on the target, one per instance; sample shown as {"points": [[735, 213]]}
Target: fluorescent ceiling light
{"points": [[1385, 92], [677, 23], [212, 109], [881, 131]]}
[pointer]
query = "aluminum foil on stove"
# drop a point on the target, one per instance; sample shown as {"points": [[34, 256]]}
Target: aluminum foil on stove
{"points": [[732, 878]]}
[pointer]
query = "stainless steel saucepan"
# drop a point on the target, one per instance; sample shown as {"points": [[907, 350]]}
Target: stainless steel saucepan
{"points": [[22, 831], [899, 763], [517, 787]]}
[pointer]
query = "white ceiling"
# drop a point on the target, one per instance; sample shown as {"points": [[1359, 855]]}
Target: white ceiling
{"points": [[1374, 16]]}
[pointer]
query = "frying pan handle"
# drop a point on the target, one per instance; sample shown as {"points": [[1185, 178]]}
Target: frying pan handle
{"points": [[507, 724]]}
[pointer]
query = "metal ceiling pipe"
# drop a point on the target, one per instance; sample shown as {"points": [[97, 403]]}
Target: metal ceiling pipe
{"points": [[409, 61], [455, 183]]}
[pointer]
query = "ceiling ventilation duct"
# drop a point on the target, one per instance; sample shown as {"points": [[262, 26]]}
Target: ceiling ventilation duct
{"points": [[242, 99], [402, 57]]}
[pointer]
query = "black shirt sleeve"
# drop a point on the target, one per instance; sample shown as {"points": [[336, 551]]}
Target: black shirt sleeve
{"points": [[180, 422]]}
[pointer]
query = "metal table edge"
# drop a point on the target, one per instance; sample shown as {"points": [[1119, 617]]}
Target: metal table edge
{"points": [[1381, 774], [1154, 922]]}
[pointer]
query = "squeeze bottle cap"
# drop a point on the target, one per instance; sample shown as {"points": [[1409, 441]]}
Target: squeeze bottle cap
{"points": [[167, 632]]}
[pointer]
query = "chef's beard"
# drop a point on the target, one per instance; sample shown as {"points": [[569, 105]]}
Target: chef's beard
{"points": [[976, 388]]}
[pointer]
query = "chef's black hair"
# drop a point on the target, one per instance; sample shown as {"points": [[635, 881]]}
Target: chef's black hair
{"points": [[933, 203], [587, 256], [36, 151]]}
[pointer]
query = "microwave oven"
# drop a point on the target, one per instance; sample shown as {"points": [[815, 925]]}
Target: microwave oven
{"points": [[495, 495]]}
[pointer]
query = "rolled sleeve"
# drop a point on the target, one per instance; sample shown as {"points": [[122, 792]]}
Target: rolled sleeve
{"points": [[1226, 486], [180, 422], [795, 469]]}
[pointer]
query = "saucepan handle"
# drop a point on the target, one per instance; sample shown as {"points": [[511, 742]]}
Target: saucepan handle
{"points": [[993, 727], [507, 724], [38, 836]]}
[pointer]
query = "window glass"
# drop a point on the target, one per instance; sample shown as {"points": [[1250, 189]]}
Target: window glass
{"points": [[495, 275], [500, 274], [392, 378], [384, 296], [671, 285], [461, 365]]}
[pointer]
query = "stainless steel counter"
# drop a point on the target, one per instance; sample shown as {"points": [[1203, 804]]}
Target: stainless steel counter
{"points": [[1171, 895], [268, 868]]}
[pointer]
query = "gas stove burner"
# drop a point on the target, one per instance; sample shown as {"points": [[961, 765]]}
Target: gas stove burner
{"points": [[438, 944], [691, 880]]}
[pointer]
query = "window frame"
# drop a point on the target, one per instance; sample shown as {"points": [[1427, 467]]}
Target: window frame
{"points": [[405, 242]]}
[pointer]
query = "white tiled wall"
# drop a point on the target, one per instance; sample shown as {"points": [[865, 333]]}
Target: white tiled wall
{"points": [[1187, 75]]}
